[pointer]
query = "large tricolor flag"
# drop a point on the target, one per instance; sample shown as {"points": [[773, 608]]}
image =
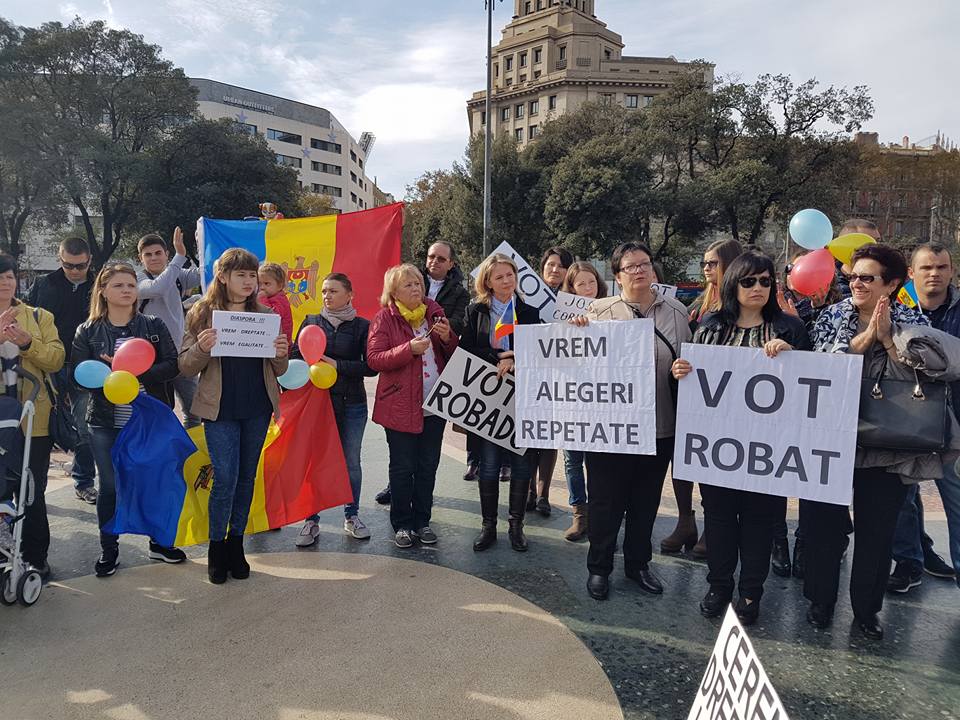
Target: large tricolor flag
{"points": [[361, 244]]}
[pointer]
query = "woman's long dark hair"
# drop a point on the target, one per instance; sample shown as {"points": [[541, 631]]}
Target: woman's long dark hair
{"points": [[745, 265]]}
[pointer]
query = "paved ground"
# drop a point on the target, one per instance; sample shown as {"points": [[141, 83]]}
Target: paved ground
{"points": [[652, 649]]}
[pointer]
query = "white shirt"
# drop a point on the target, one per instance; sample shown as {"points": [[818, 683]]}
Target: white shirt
{"points": [[435, 286]]}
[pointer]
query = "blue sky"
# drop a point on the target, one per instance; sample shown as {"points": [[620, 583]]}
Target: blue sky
{"points": [[404, 70]]}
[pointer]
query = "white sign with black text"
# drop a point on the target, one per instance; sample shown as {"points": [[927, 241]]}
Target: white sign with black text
{"points": [[587, 388], [534, 290], [735, 685], [782, 426], [469, 393], [245, 334], [665, 290], [569, 306]]}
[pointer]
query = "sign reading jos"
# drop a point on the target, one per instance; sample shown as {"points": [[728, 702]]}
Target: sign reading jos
{"points": [[569, 306], [785, 426], [534, 290], [735, 685], [469, 393], [243, 334], [588, 388]]}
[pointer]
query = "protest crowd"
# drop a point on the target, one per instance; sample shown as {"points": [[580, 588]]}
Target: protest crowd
{"points": [[428, 315]]}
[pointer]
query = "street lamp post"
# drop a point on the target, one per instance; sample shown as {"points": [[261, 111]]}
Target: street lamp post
{"points": [[488, 134]]}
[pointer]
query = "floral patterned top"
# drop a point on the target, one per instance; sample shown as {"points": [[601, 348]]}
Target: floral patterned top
{"points": [[838, 324]]}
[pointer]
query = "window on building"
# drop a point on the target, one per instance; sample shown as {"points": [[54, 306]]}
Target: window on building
{"points": [[539, 4], [518, 111], [324, 145], [536, 74], [327, 190], [483, 117], [647, 99], [326, 168], [505, 114], [288, 161], [518, 133], [537, 55], [533, 132], [353, 198], [246, 128], [534, 107], [607, 98], [631, 101], [607, 53], [898, 228], [283, 136], [353, 178], [523, 78], [527, 8], [523, 59], [496, 70], [360, 163], [563, 52], [509, 82], [552, 102], [509, 63], [353, 156]]}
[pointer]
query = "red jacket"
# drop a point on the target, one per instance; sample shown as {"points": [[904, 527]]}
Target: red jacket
{"points": [[399, 402], [281, 306]]}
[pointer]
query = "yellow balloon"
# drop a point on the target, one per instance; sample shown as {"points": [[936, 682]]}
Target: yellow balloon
{"points": [[323, 375], [843, 247], [121, 387]]}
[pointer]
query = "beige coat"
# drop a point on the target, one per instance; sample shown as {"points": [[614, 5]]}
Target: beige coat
{"points": [[206, 402], [44, 357], [670, 318]]}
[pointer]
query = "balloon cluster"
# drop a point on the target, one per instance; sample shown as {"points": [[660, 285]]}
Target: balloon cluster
{"points": [[813, 273], [313, 343], [120, 385]]}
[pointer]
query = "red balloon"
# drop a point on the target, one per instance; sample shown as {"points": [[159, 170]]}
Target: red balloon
{"points": [[313, 343], [135, 356], [813, 273]]}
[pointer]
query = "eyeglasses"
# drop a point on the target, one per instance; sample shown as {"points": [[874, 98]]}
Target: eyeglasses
{"points": [[704, 264], [637, 269], [865, 279], [74, 266], [748, 282], [438, 258]]}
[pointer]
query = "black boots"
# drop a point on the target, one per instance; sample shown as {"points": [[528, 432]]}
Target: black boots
{"points": [[518, 502], [239, 569], [799, 559], [217, 562], [489, 499], [780, 557]]}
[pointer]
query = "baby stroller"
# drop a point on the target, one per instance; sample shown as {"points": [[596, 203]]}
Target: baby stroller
{"points": [[18, 580]]}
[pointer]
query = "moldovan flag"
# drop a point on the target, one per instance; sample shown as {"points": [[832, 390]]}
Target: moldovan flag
{"points": [[164, 473], [360, 244], [908, 295]]}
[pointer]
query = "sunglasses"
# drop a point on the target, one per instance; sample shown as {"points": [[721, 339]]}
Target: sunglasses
{"points": [[438, 258], [865, 279], [74, 266], [748, 282], [704, 264]]}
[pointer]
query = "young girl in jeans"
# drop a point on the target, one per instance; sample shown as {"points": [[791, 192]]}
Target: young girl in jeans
{"points": [[235, 399]]}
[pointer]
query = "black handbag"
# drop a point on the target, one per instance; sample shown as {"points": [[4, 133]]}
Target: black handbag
{"points": [[63, 429], [904, 415]]}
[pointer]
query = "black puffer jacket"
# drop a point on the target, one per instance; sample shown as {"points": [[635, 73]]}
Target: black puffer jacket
{"points": [[453, 297], [476, 332], [99, 337], [346, 344]]}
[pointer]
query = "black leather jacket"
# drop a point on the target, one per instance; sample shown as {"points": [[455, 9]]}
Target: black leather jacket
{"points": [[453, 297], [476, 332], [99, 337], [346, 344]]}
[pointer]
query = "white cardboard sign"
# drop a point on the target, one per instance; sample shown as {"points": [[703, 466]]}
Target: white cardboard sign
{"points": [[569, 306], [665, 290], [469, 393], [589, 388], [534, 290], [735, 685], [245, 334], [782, 426]]}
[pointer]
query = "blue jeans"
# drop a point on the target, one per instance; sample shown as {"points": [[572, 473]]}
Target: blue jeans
{"points": [[493, 457], [234, 447], [350, 423], [576, 480], [908, 541], [84, 469]]}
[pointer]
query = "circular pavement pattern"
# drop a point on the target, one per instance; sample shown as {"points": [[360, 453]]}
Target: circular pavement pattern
{"points": [[307, 637]]}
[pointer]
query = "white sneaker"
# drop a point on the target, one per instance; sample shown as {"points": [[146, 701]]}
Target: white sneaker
{"points": [[354, 526], [308, 534]]}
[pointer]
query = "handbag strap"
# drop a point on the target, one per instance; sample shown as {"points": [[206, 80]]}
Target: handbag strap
{"points": [[877, 392]]}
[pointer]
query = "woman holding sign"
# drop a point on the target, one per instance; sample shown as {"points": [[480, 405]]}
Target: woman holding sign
{"points": [[488, 334], [623, 484], [236, 397], [741, 524], [409, 344], [113, 321]]}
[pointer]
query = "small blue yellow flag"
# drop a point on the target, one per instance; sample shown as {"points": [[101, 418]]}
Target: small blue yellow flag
{"points": [[908, 295]]}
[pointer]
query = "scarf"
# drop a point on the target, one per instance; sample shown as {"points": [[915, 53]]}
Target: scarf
{"points": [[838, 324], [415, 317], [336, 317]]}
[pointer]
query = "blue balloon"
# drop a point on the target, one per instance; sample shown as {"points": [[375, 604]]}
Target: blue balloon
{"points": [[811, 229], [91, 373], [296, 376]]}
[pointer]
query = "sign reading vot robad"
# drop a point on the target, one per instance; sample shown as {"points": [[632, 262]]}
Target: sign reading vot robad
{"points": [[469, 393], [534, 290], [735, 685], [587, 388], [781, 426]]}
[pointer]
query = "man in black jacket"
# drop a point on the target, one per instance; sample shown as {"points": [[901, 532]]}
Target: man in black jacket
{"points": [[66, 294]]}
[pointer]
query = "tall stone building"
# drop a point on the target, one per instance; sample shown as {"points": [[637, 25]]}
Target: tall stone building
{"points": [[556, 55]]}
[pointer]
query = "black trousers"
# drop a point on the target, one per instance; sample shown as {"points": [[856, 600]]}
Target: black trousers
{"points": [[739, 525], [624, 486], [877, 497], [36, 528], [414, 458]]}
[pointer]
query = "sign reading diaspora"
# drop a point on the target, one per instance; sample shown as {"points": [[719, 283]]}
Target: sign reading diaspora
{"points": [[589, 388], [534, 290], [783, 426], [469, 393], [245, 334]]}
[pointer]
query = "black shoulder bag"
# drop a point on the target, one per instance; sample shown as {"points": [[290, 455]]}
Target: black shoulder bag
{"points": [[904, 415], [63, 428]]}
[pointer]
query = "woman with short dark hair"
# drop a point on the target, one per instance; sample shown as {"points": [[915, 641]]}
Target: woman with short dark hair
{"points": [[740, 524]]}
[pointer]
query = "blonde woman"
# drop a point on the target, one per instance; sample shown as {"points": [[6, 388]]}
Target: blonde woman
{"points": [[409, 344], [235, 399]]}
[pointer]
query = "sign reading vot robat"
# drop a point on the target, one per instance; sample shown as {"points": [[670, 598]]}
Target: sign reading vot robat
{"points": [[735, 685], [589, 388], [244, 334], [469, 393], [534, 290], [780, 426]]}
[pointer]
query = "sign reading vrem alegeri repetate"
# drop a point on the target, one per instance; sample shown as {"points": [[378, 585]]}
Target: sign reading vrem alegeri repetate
{"points": [[589, 388], [781, 426]]}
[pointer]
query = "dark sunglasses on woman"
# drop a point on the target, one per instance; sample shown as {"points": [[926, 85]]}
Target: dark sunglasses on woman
{"points": [[748, 282], [865, 279]]}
